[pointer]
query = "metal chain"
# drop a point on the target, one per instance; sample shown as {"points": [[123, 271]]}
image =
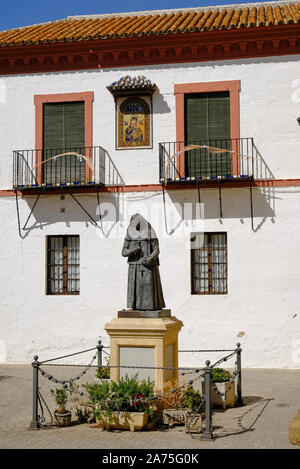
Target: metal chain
{"points": [[181, 371], [70, 381], [66, 356], [224, 359], [231, 381], [206, 351]]}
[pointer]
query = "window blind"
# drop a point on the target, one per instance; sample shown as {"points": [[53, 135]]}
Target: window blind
{"points": [[63, 131], [207, 122]]}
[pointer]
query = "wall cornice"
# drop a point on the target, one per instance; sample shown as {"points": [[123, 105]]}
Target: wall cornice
{"points": [[151, 50]]}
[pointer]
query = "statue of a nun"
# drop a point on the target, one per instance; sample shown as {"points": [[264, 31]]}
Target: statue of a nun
{"points": [[141, 246]]}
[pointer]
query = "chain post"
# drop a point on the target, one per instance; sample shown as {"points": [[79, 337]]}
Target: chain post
{"points": [[35, 419], [239, 400], [207, 434], [99, 354]]}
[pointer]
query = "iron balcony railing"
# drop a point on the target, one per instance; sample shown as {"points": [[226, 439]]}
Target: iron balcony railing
{"points": [[74, 166], [218, 159]]}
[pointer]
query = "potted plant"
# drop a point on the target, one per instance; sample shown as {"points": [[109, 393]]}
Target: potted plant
{"points": [[62, 416], [222, 388], [104, 371], [123, 404], [195, 404], [174, 406]]}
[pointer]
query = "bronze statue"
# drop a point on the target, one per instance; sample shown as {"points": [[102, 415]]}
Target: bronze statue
{"points": [[141, 246]]}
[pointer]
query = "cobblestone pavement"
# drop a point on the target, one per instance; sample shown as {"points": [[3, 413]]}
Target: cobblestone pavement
{"points": [[271, 399]]}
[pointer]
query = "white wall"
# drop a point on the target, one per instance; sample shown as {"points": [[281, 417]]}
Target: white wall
{"points": [[269, 106], [261, 309]]}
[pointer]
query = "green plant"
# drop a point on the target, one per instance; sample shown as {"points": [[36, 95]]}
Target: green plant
{"points": [[61, 398], [193, 399], [125, 395], [219, 375], [104, 371]]}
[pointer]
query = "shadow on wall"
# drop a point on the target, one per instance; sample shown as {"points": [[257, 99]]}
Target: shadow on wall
{"points": [[226, 204], [65, 208], [160, 105], [230, 204]]}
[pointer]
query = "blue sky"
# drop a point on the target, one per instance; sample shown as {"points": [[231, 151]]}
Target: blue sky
{"points": [[18, 13]]}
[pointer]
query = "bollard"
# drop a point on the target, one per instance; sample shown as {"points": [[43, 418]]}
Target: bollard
{"points": [[239, 400], [35, 418], [99, 355], [207, 434]]}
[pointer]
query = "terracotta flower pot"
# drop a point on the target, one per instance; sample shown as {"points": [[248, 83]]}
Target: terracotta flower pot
{"points": [[123, 420], [193, 423], [173, 417], [222, 394], [63, 419]]}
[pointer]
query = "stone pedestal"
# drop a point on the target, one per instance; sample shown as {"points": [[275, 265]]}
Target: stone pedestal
{"points": [[146, 342]]}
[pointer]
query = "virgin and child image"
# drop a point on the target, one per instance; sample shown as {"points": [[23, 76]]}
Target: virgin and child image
{"points": [[133, 133]]}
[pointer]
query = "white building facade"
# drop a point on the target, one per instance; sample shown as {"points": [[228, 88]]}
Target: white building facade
{"points": [[240, 188]]}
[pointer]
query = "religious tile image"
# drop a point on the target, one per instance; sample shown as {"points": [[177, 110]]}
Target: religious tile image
{"points": [[133, 124]]}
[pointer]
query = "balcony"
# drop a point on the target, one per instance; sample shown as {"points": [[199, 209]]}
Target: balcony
{"points": [[210, 160], [61, 167]]}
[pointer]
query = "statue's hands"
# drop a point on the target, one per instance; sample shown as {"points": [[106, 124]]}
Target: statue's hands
{"points": [[135, 250], [148, 261]]}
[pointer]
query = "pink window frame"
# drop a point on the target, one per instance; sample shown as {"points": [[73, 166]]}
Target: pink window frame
{"points": [[40, 100], [233, 86]]}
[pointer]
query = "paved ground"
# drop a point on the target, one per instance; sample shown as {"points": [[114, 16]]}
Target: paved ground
{"points": [[271, 399]]}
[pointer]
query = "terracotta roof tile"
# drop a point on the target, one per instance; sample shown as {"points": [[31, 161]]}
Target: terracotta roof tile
{"points": [[288, 15], [218, 20], [162, 20], [236, 18], [210, 21], [226, 21], [183, 21], [295, 12], [252, 17], [151, 24], [188, 20], [199, 25], [270, 16], [193, 24], [154, 23], [244, 17]]}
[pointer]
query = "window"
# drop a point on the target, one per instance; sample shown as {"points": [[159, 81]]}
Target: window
{"points": [[213, 101], [209, 263], [63, 121], [63, 131], [63, 265], [207, 122]]}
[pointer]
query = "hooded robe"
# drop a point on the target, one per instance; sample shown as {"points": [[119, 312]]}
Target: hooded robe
{"points": [[141, 247]]}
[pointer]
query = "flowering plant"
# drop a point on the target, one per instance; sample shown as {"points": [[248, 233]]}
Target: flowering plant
{"points": [[125, 395]]}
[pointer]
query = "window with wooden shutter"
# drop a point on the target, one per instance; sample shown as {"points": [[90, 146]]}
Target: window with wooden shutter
{"points": [[209, 265], [207, 122], [63, 131]]}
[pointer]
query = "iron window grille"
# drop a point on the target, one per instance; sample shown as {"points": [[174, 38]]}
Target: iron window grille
{"points": [[63, 265], [209, 267]]}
